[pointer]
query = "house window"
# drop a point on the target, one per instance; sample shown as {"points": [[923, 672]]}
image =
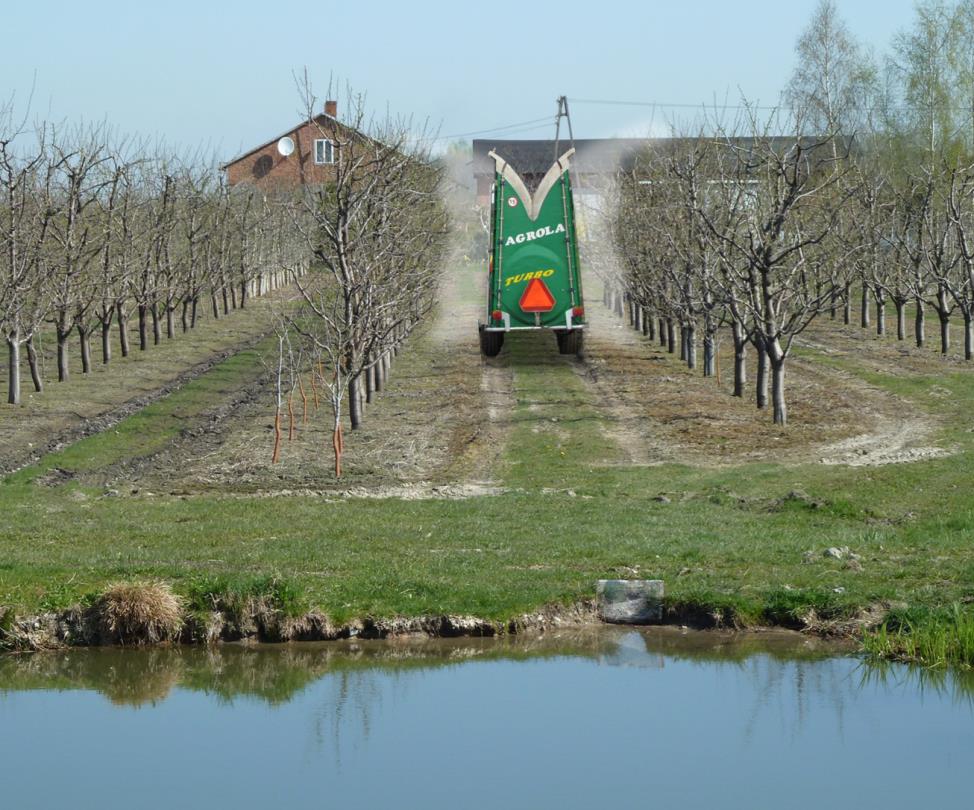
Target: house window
{"points": [[324, 151]]}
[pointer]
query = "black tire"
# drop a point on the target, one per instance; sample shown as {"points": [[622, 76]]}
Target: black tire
{"points": [[570, 342], [491, 342]]}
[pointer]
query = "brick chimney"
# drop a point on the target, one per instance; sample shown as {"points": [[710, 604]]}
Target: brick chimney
{"points": [[331, 108]]}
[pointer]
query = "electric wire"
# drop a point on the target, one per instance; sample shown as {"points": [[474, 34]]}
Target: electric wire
{"points": [[676, 105], [547, 120], [888, 106]]}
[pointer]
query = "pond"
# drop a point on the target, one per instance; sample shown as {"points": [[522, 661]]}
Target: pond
{"points": [[601, 717]]}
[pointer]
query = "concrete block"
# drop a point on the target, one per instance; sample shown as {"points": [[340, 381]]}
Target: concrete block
{"points": [[630, 601]]}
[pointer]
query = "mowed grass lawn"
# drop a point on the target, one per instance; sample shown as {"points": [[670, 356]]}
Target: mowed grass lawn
{"points": [[725, 540]]}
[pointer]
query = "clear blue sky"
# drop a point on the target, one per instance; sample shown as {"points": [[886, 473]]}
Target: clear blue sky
{"points": [[220, 73]]}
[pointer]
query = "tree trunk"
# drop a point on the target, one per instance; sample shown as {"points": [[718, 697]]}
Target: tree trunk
{"points": [[13, 368], [708, 354], [85, 336], [918, 324], [778, 393], [369, 384], [761, 383], [216, 307], [143, 328], [106, 342], [661, 324], [880, 315], [184, 321], [170, 325], [338, 443], [649, 324], [380, 373], [670, 336], [691, 338], [847, 304], [35, 372], [354, 404], [944, 314], [740, 360], [864, 312], [968, 337], [63, 371], [276, 454], [123, 333], [684, 354], [900, 319], [195, 311]]}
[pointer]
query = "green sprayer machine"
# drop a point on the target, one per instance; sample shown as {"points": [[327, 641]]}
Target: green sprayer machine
{"points": [[533, 274]]}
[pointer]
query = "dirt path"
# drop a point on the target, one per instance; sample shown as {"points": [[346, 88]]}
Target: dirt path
{"points": [[66, 412], [614, 360], [658, 411], [482, 429], [443, 422], [437, 430]]}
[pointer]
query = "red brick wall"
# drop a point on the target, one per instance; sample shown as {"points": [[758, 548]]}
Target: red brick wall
{"points": [[268, 169]]}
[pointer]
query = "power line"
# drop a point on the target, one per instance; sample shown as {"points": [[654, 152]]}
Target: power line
{"points": [[547, 125], [886, 107], [547, 120], [668, 104]]}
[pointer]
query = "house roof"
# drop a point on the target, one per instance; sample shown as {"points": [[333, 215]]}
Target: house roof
{"points": [[592, 155], [322, 118], [536, 156]]}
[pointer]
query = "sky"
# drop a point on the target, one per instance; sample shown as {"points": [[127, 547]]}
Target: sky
{"points": [[221, 75]]}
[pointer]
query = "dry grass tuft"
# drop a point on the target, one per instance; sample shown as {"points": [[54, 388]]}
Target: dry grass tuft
{"points": [[140, 613]]}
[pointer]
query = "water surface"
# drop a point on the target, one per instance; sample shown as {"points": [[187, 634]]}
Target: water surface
{"points": [[599, 718]]}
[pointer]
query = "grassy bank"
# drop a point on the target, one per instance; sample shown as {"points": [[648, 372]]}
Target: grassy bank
{"points": [[737, 545]]}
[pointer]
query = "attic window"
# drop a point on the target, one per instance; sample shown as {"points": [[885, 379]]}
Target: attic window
{"points": [[324, 151]]}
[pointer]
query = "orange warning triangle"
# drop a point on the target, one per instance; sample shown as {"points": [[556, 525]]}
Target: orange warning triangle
{"points": [[537, 297]]}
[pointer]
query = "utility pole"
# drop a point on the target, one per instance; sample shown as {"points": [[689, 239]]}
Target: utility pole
{"points": [[563, 113]]}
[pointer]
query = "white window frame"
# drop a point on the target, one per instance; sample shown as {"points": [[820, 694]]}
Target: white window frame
{"points": [[326, 151]]}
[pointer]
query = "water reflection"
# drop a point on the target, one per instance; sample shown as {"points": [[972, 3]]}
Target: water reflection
{"points": [[276, 673], [647, 717]]}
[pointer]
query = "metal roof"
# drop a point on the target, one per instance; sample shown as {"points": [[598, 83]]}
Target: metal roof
{"points": [[592, 155], [535, 157]]}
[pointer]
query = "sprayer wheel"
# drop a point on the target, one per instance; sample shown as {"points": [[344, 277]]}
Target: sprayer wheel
{"points": [[570, 342], [491, 342]]}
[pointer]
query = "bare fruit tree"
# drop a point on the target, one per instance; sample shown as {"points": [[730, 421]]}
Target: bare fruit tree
{"points": [[772, 189], [25, 215], [376, 235]]}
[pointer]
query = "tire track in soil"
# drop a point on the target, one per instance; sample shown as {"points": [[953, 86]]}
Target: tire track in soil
{"points": [[659, 412], [109, 419], [482, 433], [624, 422], [438, 429]]}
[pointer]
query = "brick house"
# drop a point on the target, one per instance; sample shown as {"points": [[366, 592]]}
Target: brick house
{"points": [[312, 161]]}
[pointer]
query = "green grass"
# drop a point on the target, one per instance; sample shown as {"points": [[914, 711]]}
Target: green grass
{"points": [[730, 543], [153, 427], [235, 595], [932, 637], [64, 406]]}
